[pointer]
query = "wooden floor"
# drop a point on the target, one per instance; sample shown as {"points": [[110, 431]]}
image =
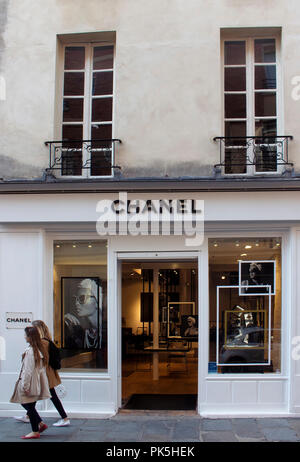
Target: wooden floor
{"points": [[175, 377]]}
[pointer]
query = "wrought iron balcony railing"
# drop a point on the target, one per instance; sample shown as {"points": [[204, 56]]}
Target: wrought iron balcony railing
{"points": [[77, 158], [253, 154]]}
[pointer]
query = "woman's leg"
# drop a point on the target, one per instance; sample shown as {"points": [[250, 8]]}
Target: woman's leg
{"points": [[33, 416], [57, 403]]}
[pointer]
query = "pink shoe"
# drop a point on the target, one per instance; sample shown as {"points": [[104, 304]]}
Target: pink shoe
{"points": [[42, 427], [33, 437]]}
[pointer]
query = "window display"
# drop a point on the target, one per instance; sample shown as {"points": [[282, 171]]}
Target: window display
{"points": [[245, 305], [182, 320], [81, 311], [255, 276], [80, 304]]}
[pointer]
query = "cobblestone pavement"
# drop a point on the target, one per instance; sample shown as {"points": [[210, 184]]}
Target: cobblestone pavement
{"points": [[160, 428]]}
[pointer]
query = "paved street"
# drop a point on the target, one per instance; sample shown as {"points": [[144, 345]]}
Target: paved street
{"points": [[150, 427]]}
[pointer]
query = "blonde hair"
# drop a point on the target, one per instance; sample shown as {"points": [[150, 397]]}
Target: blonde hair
{"points": [[42, 328]]}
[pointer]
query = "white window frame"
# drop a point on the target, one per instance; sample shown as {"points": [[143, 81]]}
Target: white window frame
{"points": [[87, 103], [250, 94]]}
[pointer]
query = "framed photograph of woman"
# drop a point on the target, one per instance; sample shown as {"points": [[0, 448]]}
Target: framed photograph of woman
{"points": [[81, 312], [257, 277]]}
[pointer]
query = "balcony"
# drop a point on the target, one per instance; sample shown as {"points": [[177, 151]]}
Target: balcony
{"points": [[251, 155], [82, 158]]}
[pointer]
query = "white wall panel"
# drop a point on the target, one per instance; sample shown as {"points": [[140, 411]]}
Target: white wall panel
{"points": [[218, 392], [244, 392], [95, 391], [271, 392]]}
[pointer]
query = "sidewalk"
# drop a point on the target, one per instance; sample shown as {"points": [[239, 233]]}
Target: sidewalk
{"points": [[156, 427]]}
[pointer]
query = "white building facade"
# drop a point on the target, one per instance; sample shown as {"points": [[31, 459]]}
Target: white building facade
{"points": [[171, 102]]}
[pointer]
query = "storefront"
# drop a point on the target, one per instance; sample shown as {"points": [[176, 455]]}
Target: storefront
{"points": [[230, 308]]}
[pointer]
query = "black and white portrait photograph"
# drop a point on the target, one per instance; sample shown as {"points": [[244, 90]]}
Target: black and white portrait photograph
{"points": [[254, 276], [81, 312], [189, 326]]}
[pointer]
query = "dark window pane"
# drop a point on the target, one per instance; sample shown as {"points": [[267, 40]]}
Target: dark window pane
{"points": [[235, 129], [266, 158], [71, 161], [102, 110], [235, 53], [74, 84], [235, 79], [266, 128], [73, 110], [265, 51], [101, 132], [235, 106], [235, 161], [266, 148], [102, 83], [103, 57], [72, 132], [265, 77], [101, 152], [265, 104], [74, 58]]}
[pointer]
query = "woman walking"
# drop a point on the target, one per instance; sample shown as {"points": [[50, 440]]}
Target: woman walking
{"points": [[52, 374], [32, 384]]}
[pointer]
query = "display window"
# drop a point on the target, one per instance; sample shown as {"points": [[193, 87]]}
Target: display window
{"points": [[80, 304], [245, 305]]}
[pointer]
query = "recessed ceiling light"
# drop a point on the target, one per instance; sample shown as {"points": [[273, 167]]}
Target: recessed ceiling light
{"points": [[57, 246], [90, 245], [243, 255], [248, 246]]}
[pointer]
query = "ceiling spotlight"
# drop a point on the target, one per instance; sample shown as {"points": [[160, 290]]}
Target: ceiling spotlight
{"points": [[248, 246], [58, 246], [243, 255], [74, 246], [215, 244], [257, 244], [237, 244], [90, 246], [223, 277]]}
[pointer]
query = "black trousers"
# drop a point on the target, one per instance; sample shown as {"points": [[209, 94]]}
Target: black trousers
{"points": [[57, 403], [33, 415]]}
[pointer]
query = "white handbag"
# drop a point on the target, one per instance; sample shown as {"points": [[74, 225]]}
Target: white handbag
{"points": [[61, 391]]}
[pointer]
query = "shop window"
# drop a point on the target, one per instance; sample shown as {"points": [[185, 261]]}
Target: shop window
{"points": [[245, 305], [80, 304]]}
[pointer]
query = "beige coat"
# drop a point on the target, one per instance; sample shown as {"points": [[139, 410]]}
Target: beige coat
{"points": [[52, 375], [31, 379]]}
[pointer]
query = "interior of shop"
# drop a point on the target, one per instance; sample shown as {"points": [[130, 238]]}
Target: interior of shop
{"points": [[159, 335], [245, 305], [80, 304]]}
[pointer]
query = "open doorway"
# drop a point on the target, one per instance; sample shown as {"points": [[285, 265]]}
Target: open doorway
{"points": [[160, 335]]}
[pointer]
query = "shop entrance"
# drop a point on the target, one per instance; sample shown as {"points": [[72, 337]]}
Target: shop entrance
{"points": [[160, 335]]}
